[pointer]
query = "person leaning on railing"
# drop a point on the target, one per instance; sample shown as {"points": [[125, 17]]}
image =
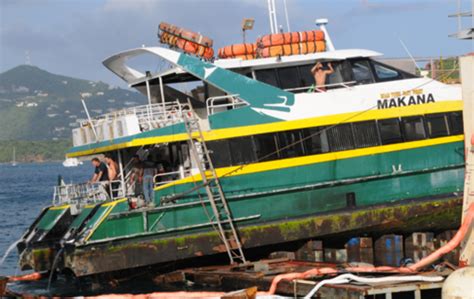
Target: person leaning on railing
{"points": [[101, 172]]}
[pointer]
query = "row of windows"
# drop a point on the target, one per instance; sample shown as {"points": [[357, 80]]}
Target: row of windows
{"points": [[324, 139], [360, 71]]}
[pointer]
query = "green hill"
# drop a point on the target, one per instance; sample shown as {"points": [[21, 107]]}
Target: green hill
{"points": [[38, 105], [33, 151]]}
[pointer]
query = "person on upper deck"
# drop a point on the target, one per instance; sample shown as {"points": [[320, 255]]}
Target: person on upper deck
{"points": [[320, 75], [101, 172]]}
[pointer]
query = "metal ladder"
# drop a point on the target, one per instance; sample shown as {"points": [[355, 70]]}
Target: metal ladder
{"points": [[220, 208]]}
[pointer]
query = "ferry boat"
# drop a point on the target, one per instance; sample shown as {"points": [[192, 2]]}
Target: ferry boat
{"points": [[256, 158]]}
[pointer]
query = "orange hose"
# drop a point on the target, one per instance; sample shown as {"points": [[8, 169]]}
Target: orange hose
{"points": [[451, 245], [161, 295], [27, 277]]}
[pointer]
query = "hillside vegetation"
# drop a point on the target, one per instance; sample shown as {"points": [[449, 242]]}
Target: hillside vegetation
{"points": [[33, 151], [38, 105], [39, 109]]}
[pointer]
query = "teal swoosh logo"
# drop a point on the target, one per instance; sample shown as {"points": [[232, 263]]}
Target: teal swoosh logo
{"points": [[255, 93]]}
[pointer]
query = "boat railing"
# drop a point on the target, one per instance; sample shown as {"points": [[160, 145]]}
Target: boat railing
{"points": [[87, 193], [130, 121], [221, 103], [171, 176], [154, 113], [347, 84], [84, 192]]}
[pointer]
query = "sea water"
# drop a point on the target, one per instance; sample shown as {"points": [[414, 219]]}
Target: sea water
{"points": [[24, 190]]}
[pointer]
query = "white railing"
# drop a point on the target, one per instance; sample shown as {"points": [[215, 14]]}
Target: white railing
{"points": [[157, 115], [87, 193], [129, 121], [212, 106], [317, 88], [168, 177]]}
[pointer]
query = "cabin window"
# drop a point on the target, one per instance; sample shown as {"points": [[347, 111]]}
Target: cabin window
{"points": [[413, 128], [289, 77], [242, 150], [306, 77], [390, 131], [315, 140], [219, 152], [437, 125], [267, 76], [365, 133], [335, 78], [385, 73], [340, 137], [289, 144], [361, 72], [265, 147], [455, 123]]}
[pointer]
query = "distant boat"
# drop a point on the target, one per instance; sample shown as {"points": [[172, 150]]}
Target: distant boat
{"points": [[71, 162], [14, 157]]}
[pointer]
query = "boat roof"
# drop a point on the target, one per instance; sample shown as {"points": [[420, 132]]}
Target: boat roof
{"points": [[117, 63]]}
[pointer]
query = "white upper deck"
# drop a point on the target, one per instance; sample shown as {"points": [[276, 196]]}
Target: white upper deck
{"points": [[118, 63]]}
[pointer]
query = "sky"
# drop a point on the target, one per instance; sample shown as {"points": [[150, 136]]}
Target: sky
{"points": [[73, 37]]}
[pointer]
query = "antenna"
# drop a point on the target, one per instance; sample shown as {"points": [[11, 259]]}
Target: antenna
{"points": [[272, 16], [286, 16], [321, 23], [409, 54]]}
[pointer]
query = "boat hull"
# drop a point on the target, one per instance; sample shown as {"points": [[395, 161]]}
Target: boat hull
{"points": [[401, 188], [39, 244], [401, 217]]}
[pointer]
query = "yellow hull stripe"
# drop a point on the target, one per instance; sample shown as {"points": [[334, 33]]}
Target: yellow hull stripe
{"points": [[110, 205], [438, 107], [319, 158], [63, 207]]}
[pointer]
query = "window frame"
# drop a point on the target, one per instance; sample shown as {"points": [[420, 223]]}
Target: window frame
{"points": [[401, 139], [431, 116], [371, 71], [404, 120]]}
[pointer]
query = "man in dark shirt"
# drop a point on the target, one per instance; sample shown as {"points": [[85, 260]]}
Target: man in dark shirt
{"points": [[101, 172]]}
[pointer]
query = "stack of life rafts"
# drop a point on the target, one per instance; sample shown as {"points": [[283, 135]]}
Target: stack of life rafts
{"points": [[270, 45], [279, 44], [188, 41]]}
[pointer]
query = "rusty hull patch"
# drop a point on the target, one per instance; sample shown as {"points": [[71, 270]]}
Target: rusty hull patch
{"points": [[38, 259], [404, 217]]}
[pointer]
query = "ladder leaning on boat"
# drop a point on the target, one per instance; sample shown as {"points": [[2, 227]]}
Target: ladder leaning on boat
{"points": [[215, 194]]}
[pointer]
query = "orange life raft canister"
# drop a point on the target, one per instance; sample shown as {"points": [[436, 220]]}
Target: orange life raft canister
{"points": [[232, 51], [188, 41], [292, 49], [278, 39], [186, 34]]}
